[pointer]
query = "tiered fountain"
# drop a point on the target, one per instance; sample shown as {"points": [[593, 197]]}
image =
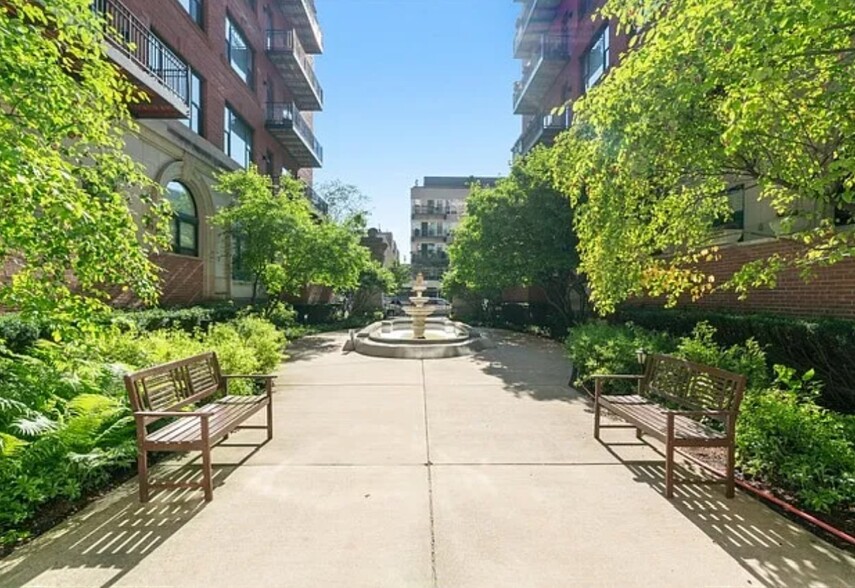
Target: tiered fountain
{"points": [[418, 312], [418, 337]]}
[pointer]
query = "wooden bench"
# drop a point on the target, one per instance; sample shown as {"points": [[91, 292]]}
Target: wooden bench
{"points": [[165, 391], [681, 403]]}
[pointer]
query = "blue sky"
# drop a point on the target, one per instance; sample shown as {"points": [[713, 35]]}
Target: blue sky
{"points": [[414, 88]]}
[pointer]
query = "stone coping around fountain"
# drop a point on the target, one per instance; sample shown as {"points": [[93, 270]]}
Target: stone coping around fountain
{"points": [[467, 344]]}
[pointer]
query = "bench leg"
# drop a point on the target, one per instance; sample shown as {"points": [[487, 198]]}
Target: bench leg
{"points": [[669, 458], [729, 488], [207, 472], [639, 434], [269, 420], [142, 467]]}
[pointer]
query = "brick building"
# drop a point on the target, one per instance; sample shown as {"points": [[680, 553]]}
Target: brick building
{"points": [[565, 49], [230, 83]]}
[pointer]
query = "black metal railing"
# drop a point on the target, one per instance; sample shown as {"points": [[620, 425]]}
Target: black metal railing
{"points": [[552, 47], [525, 20], [143, 47], [285, 113], [287, 40], [435, 210], [319, 203], [536, 128]]}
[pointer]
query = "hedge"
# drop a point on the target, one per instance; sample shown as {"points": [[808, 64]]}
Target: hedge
{"points": [[825, 345]]}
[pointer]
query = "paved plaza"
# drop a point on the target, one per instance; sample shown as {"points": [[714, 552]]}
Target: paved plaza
{"points": [[468, 472]]}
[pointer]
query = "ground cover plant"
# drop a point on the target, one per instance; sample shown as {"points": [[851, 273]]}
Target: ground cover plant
{"points": [[785, 440], [66, 428]]}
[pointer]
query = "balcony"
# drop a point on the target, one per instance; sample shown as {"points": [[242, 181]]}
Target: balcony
{"points": [[429, 259], [288, 126], [304, 17], [540, 72], [542, 130], [536, 17], [434, 212], [287, 54], [431, 236], [319, 204], [149, 64]]}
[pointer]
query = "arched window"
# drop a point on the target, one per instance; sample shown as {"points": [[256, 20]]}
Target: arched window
{"points": [[185, 221]]}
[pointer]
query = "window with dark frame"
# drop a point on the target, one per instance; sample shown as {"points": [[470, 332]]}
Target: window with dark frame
{"points": [[237, 139], [736, 199], [195, 120], [194, 9], [185, 219], [238, 52], [240, 272], [596, 59]]}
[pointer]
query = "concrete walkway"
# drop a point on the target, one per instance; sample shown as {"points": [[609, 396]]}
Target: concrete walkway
{"points": [[468, 472]]}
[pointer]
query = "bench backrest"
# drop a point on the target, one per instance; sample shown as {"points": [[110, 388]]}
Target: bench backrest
{"points": [[693, 386], [171, 386]]}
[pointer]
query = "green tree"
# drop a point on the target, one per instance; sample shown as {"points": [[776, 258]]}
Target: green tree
{"points": [[282, 245], [712, 94], [67, 230], [520, 234], [345, 201]]}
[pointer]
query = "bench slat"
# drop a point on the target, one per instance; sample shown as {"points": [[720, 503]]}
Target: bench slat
{"points": [[224, 413], [653, 417]]}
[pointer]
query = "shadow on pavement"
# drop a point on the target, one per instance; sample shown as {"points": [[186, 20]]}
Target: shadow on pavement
{"points": [[101, 544], [310, 347], [529, 366], [773, 549]]}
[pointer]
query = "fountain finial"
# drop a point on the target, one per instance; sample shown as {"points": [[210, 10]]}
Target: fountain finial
{"points": [[419, 285]]}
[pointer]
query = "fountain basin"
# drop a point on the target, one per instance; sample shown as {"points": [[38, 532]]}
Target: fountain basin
{"points": [[397, 339]]}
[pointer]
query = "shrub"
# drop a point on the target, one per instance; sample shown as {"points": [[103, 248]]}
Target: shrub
{"points": [[599, 347], [17, 333], [824, 345], [747, 358], [786, 439]]}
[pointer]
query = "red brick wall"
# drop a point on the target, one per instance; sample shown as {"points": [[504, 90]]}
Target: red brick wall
{"points": [[205, 50], [831, 292], [181, 279]]}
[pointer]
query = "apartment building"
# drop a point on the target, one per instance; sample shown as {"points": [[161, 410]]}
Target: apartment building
{"points": [[391, 255], [566, 49], [436, 209], [229, 83]]}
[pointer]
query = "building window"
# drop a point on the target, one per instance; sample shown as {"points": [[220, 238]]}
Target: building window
{"points": [[736, 199], [844, 214], [185, 220], [240, 272], [596, 60], [237, 142], [238, 52], [194, 9], [195, 120]]}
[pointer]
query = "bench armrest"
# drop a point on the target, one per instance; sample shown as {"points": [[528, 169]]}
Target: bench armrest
{"points": [[250, 376], [694, 413], [170, 413]]}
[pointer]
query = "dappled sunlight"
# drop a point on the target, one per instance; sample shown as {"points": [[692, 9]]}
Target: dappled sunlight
{"points": [[778, 552], [107, 540]]}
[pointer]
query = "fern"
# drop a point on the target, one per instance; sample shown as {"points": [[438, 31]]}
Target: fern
{"points": [[33, 425], [10, 445]]}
